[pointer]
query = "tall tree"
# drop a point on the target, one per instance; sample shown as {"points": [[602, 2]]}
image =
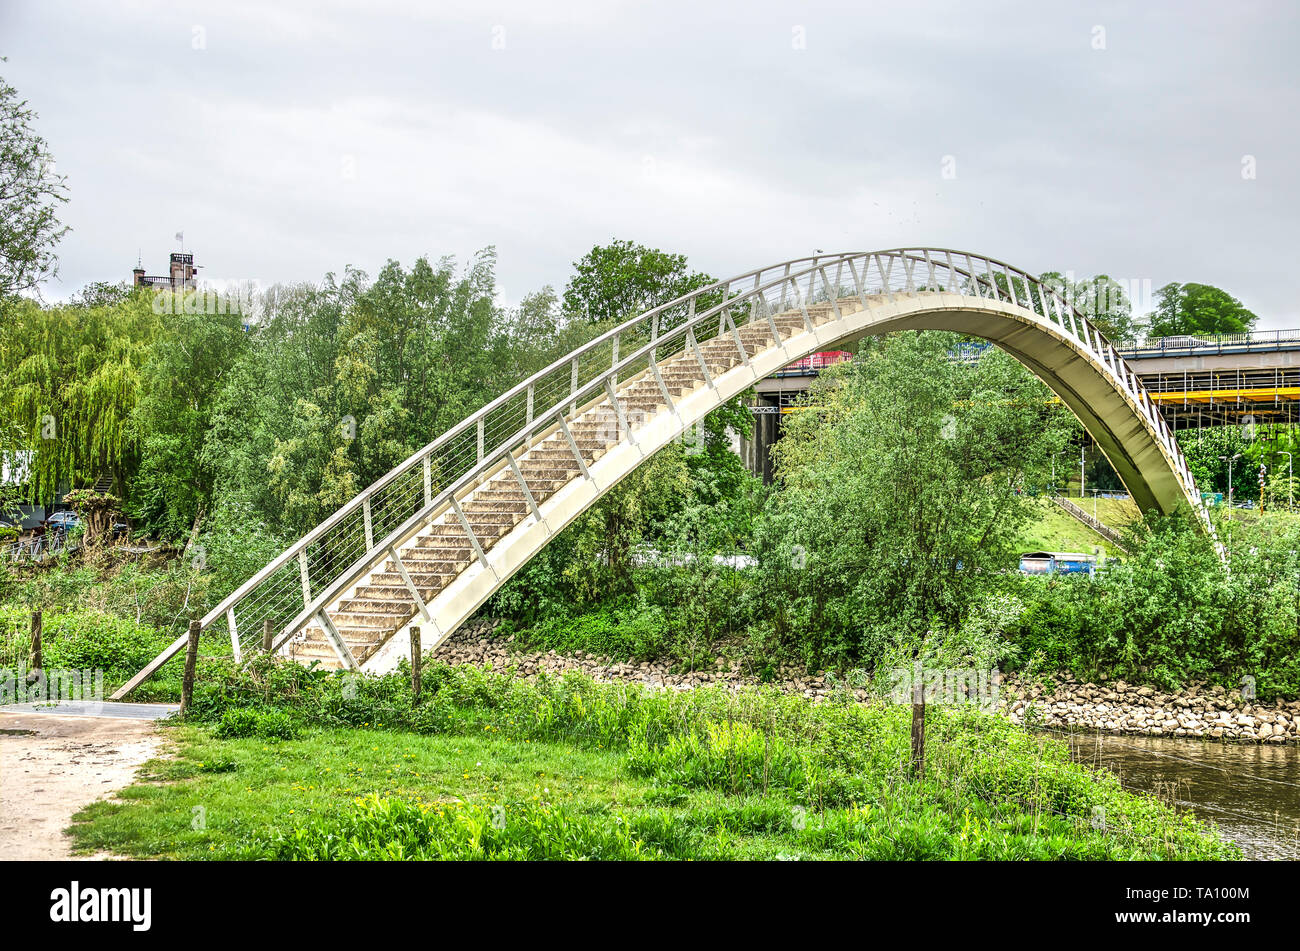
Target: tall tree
{"points": [[1102, 300], [184, 369], [907, 475], [1198, 309], [906, 480], [69, 381], [614, 282], [30, 193]]}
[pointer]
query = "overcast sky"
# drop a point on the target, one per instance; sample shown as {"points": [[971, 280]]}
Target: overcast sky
{"points": [[288, 140]]}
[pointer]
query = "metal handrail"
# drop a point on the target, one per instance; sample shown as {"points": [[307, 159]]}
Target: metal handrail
{"points": [[736, 297], [1202, 342], [418, 456]]}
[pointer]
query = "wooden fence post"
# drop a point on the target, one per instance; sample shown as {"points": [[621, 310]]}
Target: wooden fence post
{"points": [[918, 721], [416, 660], [191, 659], [266, 635], [37, 660]]}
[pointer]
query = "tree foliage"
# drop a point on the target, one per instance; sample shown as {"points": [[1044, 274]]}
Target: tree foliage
{"points": [[615, 282], [1102, 300], [30, 194], [1198, 309], [905, 481]]}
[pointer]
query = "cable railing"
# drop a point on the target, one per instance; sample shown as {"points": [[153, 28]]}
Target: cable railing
{"points": [[301, 582]]}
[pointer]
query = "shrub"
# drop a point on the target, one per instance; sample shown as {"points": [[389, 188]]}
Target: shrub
{"points": [[235, 724], [81, 640], [269, 724], [624, 633]]}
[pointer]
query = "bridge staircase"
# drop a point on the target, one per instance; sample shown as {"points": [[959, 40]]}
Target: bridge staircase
{"points": [[392, 594]]}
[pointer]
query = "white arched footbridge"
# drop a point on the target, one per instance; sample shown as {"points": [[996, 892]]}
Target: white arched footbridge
{"points": [[435, 537]]}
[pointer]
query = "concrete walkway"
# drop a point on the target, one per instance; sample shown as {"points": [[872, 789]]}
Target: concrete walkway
{"points": [[96, 708]]}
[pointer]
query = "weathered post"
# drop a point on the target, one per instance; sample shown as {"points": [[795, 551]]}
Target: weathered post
{"points": [[37, 661], [918, 721], [416, 660], [266, 635], [191, 660]]}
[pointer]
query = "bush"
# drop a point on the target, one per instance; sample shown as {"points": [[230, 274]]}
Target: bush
{"points": [[235, 724], [269, 724], [1170, 614], [81, 640], [386, 829], [625, 633]]}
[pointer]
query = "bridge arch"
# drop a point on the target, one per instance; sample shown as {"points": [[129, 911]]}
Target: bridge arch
{"points": [[429, 542]]}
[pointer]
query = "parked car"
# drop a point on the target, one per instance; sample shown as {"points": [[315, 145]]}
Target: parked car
{"points": [[64, 521]]}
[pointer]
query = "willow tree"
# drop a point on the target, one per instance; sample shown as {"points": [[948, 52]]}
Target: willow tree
{"points": [[69, 381]]}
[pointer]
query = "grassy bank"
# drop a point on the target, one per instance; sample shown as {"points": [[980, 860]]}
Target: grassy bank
{"points": [[1054, 529], [285, 763]]}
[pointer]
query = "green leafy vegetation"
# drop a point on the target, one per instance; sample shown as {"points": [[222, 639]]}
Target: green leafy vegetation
{"points": [[489, 766]]}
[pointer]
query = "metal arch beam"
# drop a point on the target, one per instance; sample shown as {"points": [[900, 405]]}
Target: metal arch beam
{"points": [[1130, 437], [1084, 380]]}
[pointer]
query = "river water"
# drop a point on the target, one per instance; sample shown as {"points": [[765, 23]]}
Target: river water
{"points": [[1251, 791]]}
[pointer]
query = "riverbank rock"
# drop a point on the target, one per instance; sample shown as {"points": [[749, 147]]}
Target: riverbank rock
{"points": [[1198, 711]]}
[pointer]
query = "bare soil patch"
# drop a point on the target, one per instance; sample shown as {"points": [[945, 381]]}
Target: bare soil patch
{"points": [[52, 766]]}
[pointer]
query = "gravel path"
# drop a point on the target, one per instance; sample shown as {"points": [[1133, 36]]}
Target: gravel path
{"points": [[52, 766]]}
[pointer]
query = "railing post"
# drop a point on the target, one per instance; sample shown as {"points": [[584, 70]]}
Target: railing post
{"points": [[411, 589], [831, 294], [620, 413], [366, 523], [573, 445], [858, 285], [234, 634], [573, 384], [735, 333], [523, 484], [306, 580], [336, 640], [417, 660], [699, 357], [469, 530]]}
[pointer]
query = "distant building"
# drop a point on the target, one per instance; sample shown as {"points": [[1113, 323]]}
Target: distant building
{"points": [[182, 276]]}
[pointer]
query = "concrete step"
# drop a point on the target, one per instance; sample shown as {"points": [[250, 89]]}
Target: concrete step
{"points": [[401, 606], [477, 506], [557, 474], [551, 455], [394, 589], [428, 582], [361, 630]]}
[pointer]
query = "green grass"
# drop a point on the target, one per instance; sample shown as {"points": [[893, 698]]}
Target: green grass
{"points": [[1055, 530], [249, 785], [492, 767]]}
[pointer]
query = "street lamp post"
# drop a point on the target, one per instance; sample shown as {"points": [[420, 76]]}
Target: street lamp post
{"points": [[1230, 460], [1290, 486]]}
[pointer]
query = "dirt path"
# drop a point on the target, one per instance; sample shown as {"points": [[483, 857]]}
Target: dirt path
{"points": [[51, 766]]}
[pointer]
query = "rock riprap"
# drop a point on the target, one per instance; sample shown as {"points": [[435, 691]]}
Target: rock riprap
{"points": [[1198, 711]]}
